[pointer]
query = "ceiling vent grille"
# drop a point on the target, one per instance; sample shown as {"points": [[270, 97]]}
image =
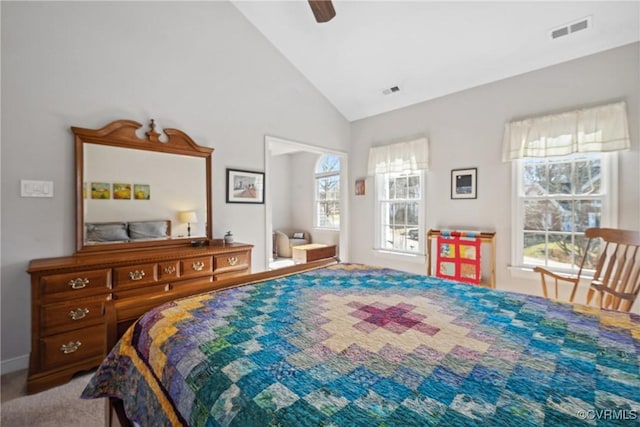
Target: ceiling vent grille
{"points": [[579, 25], [391, 90]]}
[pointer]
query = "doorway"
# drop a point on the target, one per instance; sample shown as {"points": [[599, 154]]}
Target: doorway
{"points": [[290, 196]]}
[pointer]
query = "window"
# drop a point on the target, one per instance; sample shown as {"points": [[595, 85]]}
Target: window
{"points": [[400, 209], [399, 197], [566, 182], [558, 198], [327, 201]]}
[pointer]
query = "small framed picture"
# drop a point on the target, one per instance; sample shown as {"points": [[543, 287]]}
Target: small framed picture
{"points": [[141, 191], [360, 186], [100, 190], [245, 186], [464, 183], [121, 191]]}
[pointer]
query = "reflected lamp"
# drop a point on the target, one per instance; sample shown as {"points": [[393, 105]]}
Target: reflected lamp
{"points": [[190, 218]]}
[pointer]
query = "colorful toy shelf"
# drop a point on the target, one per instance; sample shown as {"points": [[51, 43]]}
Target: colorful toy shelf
{"points": [[458, 256]]}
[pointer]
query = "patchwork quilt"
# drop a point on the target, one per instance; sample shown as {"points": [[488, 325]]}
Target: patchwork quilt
{"points": [[354, 345]]}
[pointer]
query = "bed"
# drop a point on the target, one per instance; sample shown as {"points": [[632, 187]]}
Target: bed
{"points": [[357, 345]]}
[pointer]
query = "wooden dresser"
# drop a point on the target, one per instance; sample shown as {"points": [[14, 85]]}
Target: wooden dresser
{"points": [[68, 294]]}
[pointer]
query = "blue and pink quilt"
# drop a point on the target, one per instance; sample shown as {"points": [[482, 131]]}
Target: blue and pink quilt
{"points": [[354, 345]]}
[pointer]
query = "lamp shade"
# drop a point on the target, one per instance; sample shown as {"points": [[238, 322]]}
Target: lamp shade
{"points": [[188, 216]]}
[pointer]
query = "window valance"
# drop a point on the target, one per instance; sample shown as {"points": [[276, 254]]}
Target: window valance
{"points": [[589, 130], [400, 157]]}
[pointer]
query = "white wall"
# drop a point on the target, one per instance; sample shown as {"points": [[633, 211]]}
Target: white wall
{"points": [[465, 129], [280, 182], [196, 66]]}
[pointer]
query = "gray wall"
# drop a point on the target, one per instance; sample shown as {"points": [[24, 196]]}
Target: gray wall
{"points": [[196, 66], [280, 183], [465, 129]]}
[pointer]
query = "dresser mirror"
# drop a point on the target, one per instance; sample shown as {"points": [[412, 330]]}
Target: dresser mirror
{"points": [[140, 192]]}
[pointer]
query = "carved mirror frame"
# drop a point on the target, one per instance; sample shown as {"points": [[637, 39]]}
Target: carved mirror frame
{"points": [[122, 133]]}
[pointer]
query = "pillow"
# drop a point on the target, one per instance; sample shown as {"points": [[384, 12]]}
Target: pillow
{"points": [[298, 235], [107, 232], [147, 229]]}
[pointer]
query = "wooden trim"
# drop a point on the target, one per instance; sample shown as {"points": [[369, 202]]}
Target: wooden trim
{"points": [[90, 261], [122, 133]]}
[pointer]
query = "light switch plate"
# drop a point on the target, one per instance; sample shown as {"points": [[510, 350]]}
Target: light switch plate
{"points": [[29, 188]]}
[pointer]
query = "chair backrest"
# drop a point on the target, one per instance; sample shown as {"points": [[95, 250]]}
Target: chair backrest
{"points": [[617, 276]]}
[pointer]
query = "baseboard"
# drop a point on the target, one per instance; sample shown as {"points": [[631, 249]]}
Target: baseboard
{"points": [[14, 364]]}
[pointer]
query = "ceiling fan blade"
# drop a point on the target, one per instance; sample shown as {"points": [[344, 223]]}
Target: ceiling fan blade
{"points": [[322, 9]]}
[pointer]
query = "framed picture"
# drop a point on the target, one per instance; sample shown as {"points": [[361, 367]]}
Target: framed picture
{"points": [[100, 190], [360, 186], [121, 191], [141, 191], [464, 183], [245, 186]]}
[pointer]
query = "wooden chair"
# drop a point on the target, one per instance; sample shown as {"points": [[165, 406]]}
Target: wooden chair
{"points": [[616, 280]]}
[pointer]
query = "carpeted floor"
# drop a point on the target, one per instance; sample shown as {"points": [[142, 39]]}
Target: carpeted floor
{"points": [[59, 406]]}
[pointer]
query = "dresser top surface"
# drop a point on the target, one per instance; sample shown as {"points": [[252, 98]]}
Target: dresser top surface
{"points": [[128, 257]]}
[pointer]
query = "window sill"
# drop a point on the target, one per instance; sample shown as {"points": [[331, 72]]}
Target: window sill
{"points": [[400, 256], [524, 272], [326, 229]]}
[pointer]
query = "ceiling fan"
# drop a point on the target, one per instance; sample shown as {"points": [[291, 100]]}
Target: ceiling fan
{"points": [[322, 9]]}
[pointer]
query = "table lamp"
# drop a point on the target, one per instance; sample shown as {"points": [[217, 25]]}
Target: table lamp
{"points": [[190, 218]]}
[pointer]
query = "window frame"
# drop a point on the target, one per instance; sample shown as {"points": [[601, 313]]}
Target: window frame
{"points": [[322, 175], [609, 198], [381, 183]]}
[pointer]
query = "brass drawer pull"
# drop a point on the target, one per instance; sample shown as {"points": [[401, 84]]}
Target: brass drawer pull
{"points": [[78, 313], [232, 260], [170, 269], [136, 275], [70, 347], [78, 283], [198, 266]]}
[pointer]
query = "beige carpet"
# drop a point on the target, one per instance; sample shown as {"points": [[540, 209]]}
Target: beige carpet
{"points": [[59, 406]]}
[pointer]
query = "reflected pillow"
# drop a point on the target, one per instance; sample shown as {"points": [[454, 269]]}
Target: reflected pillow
{"points": [[107, 232], [298, 235], [148, 229]]}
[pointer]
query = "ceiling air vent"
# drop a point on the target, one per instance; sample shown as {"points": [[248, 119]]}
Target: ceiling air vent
{"points": [[579, 25], [559, 32], [391, 90]]}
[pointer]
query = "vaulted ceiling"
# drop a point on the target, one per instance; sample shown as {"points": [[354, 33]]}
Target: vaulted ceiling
{"points": [[429, 49]]}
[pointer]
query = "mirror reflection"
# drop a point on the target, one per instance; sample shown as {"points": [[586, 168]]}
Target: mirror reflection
{"points": [[138, 195]]}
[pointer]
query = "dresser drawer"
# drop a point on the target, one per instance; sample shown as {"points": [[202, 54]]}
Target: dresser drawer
{"points": [[135, 275], [56, 318], [71, 347], [231, 261], [192, 267], [168, 270], [191, 282], [230, 274], [75, 285], [140, 291]]}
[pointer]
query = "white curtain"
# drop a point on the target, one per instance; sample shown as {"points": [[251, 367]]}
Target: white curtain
{"points": [[401, 157], [589, 130]]}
